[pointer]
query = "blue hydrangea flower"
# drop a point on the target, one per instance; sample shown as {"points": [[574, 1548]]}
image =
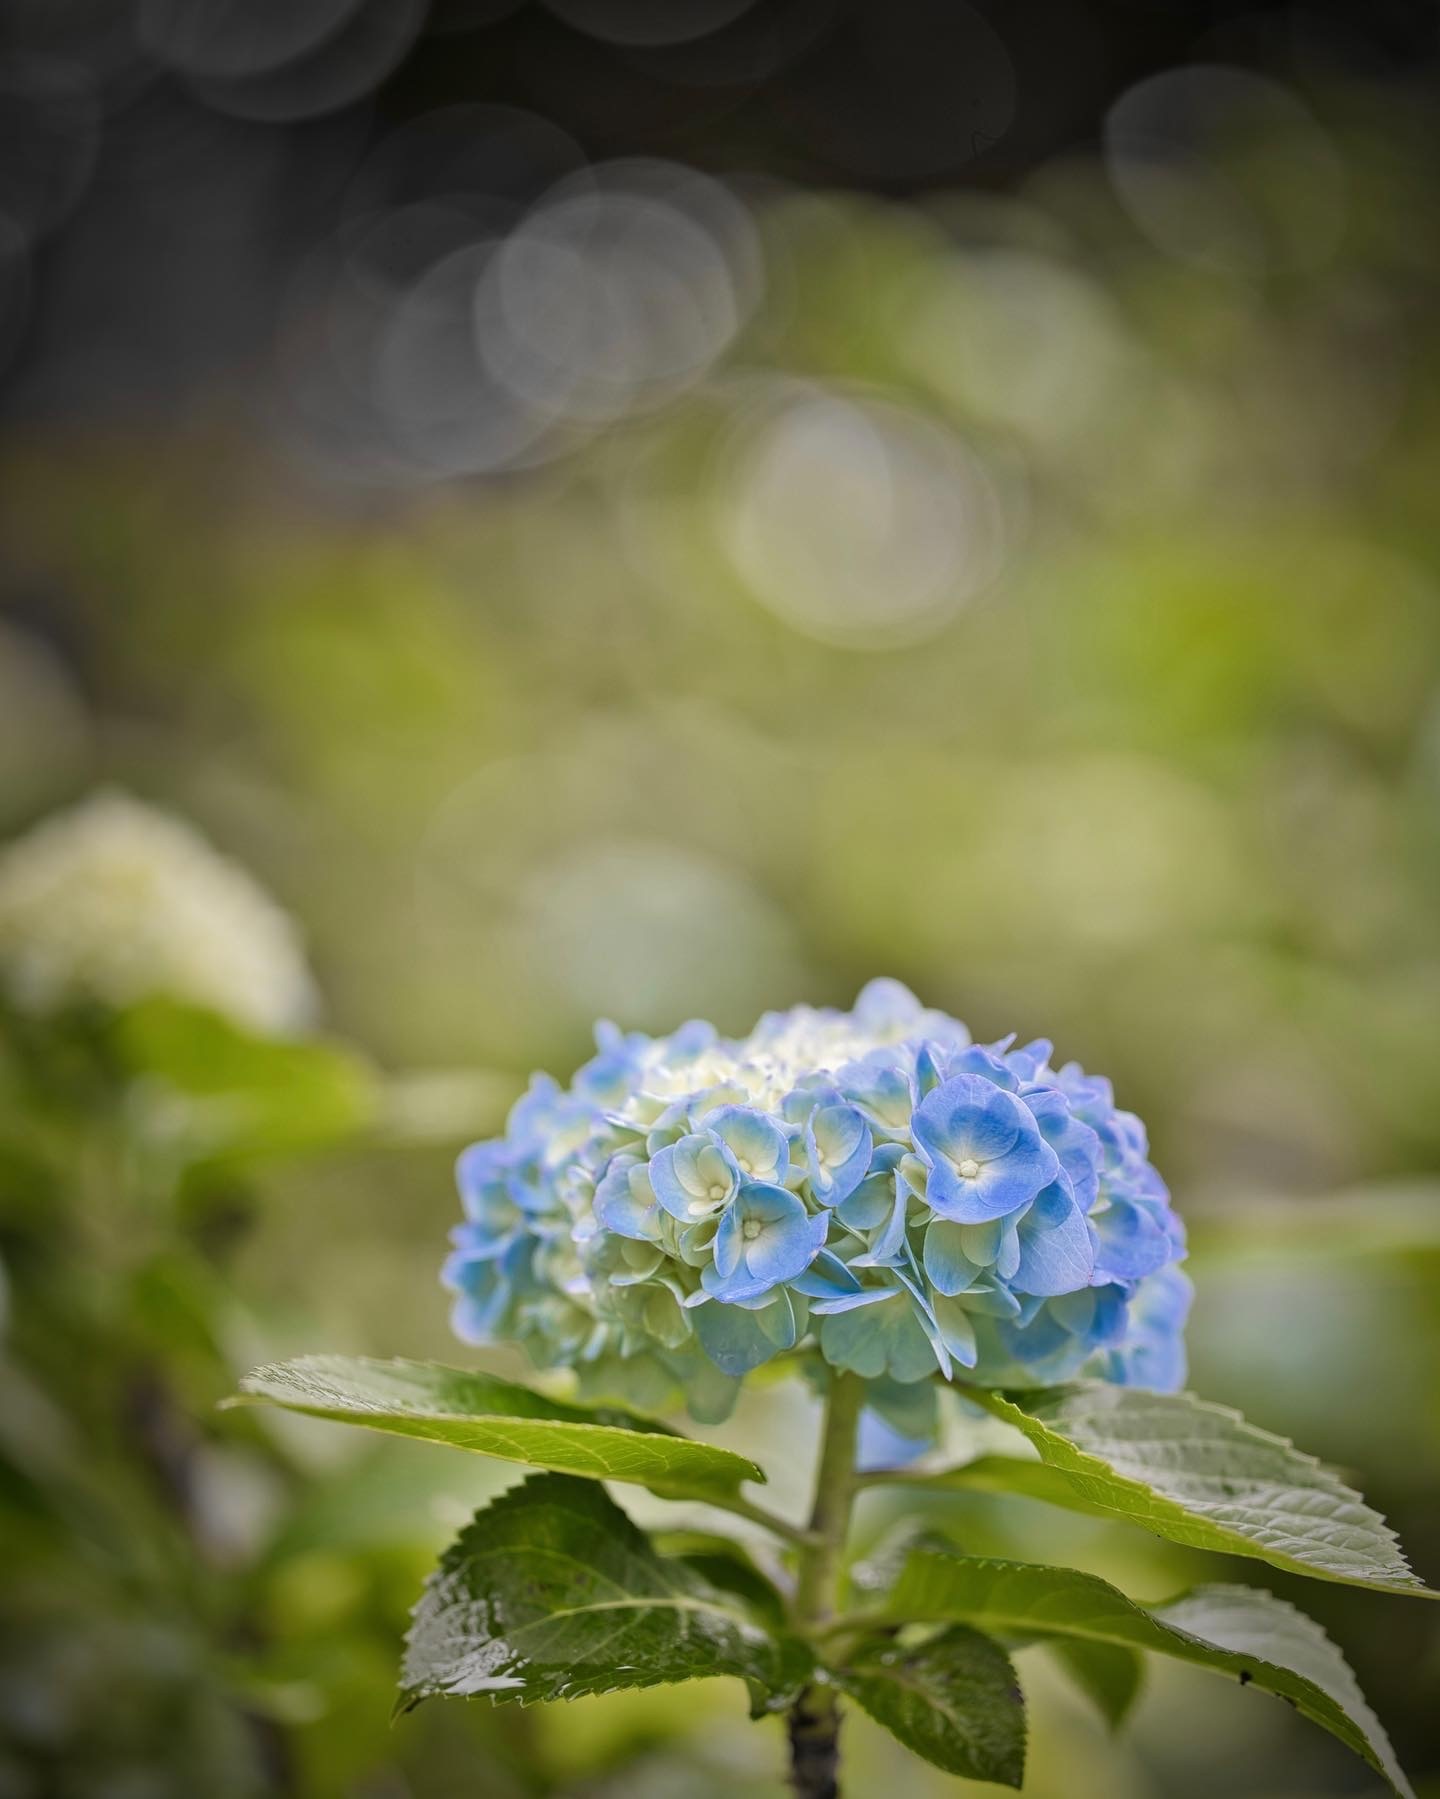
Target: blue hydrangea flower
{"points": [[983, 1148], [870, 1186]]}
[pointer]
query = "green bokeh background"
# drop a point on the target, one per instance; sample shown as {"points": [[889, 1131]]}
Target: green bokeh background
{"points": [[523, 753]]}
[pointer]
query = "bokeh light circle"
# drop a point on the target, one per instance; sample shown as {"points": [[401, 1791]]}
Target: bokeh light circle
{"points": [[236, 37], [856, 520], [1226, 169], [645, 23]]}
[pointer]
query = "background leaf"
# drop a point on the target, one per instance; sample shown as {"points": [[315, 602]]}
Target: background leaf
{"points": [[221, 1092], [954, 1699], [1240, 1631], [1109, 1676], [502, 1419], [552, 1593], [1199, 1474]]}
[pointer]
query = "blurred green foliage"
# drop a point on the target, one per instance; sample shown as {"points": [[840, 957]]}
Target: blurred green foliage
{"points": [[592, 741]]}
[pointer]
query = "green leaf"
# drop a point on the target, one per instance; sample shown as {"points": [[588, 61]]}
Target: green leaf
{"points": [[954, 1699], [1023, 1476], [1110, 1677], [728, 1565], [1240, 1631], [213, 1091], [1198, 1474], [552, 1593], [499, 1418]]}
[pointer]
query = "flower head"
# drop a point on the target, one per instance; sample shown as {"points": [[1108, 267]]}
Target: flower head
{"points": [[115, 901], [983, 1149], [870, 1182]]}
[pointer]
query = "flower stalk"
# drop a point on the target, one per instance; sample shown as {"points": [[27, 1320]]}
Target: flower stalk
{"points": [[814, 1721]]}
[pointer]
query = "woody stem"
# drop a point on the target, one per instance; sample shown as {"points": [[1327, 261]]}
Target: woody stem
{"points": [[814, 1722]]}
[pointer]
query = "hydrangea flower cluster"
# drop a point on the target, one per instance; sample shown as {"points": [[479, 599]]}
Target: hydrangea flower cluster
{"points": [[115, 901], [911, 1201]]}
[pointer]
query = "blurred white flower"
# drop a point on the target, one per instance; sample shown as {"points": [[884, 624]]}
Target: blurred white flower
{"points": [[116, 901]]}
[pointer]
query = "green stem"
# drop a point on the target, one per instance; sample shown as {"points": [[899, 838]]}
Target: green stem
{"points": [[814, 1722], [757, 1514]]}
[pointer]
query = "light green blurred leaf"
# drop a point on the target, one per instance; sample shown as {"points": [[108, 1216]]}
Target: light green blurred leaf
{"points": [[1109, 1676], [211, 1090]]}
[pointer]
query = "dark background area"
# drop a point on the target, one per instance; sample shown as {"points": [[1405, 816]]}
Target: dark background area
{"points": [[948, 491], [194, 195]]}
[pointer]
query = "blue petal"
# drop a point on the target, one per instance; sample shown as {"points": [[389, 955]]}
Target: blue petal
{"points": [[886, 1007], [924, 1314], [1007, 1258], [729, 1242], [949, 1269], [692, 1039], [785, 1248], [1153, 1352], [1040, 1340], [787, 1243], [1075, 1311], [1158, 1363], [882, 1093], [536, 1108], [987, 1300], [1098, 1315], [957, 1332], [668, 1128], [1056, 1251], [982, 1242], [783, 1321], [760, 1148], [475, 1318], [636, 1277], [481, 1171], [852, 1302], [476, 1243], [891, 1240], [827, 1277], [889, 1340], [879, 1445], [625, 1202], [1027, 1062], [1131, 1243], [1163, 1301], [1077, 1146], [696, 1243], [838, 1142], [800, 1105], [928, 1070], [983, 1062], [966, 1115], [872, 1202], [1011, 1181], [683, 1173], [733, 1338], [968, 1119]]}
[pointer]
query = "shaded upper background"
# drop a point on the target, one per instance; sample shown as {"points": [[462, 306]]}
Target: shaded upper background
{"points": [[167, 164], [610, 522]]}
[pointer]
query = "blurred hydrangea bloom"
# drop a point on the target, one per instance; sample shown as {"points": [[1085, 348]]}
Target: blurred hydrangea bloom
{"points": [[692, 1206], [114, 901]]}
